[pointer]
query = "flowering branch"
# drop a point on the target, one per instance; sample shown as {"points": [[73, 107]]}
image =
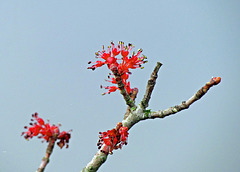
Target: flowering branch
{"points": [[140, 113], [129, 101], [120, 70], [108, 141], [117, 137], [49, 133]]}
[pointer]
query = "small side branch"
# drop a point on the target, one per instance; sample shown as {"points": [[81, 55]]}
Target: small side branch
{"points": [[150, 86], [184, 104], [123, 91], [45, 159], [133, 96]]}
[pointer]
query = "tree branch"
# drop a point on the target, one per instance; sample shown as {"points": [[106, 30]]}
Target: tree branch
{"points": [[150, 86], [133, 96], [184, 104], [98, 159], [46, 159], [133, 117], [123, 91]]}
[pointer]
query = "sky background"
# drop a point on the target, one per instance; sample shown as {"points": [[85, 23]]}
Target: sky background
{"points": [[44, 50]]}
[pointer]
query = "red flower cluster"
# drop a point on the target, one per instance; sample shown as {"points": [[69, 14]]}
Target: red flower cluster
{"points": [[46, 131], [123, 65], [114, 139]]}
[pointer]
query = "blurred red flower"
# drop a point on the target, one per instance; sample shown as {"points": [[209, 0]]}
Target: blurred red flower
{"points": [[46, 131]]}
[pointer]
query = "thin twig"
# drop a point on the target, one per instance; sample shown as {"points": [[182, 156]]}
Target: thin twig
{"points": [[123, 91], [184, 104], [150, 86], [133, 95]]}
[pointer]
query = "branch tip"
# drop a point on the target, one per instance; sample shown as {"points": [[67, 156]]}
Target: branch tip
{"points": [[185, 104], [150, 86]]}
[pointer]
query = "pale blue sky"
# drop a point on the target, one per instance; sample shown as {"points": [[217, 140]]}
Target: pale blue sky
{"points": [[44, 50]]}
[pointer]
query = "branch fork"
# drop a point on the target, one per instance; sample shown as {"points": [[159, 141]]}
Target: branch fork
{"points": [[138, 113]]}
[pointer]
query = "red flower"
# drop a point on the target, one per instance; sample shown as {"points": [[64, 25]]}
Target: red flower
{"points": [[132, 62], [115, 50], [110, 89], [125, 49], [63, 139], [123, 64], [46, 131], [109, 60], [97, 64], [113, 139], [123, 131]]}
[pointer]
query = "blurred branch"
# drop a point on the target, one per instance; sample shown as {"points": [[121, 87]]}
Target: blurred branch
{"points": [[46, 159]]}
